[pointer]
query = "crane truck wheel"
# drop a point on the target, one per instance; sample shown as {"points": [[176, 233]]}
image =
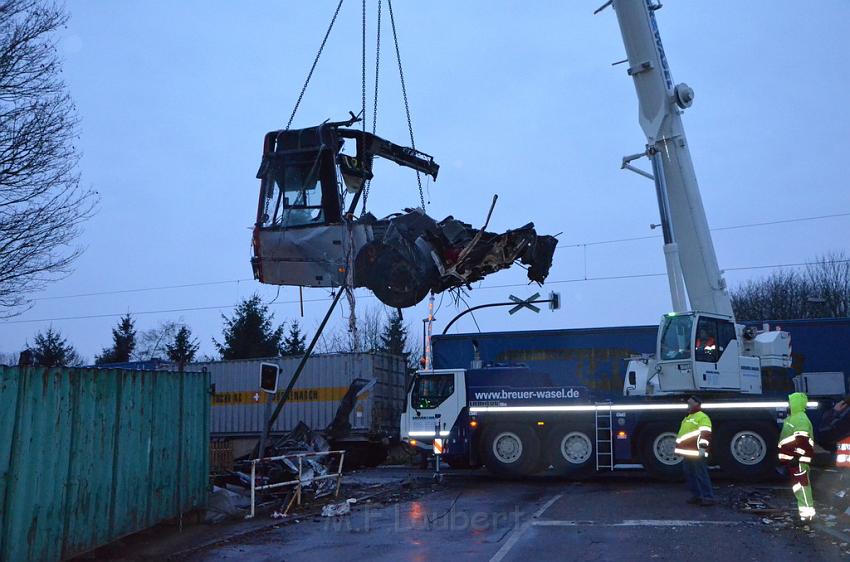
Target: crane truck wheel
{"points": [[570, 450], [746, 451], [655, 449], [510, 450]]}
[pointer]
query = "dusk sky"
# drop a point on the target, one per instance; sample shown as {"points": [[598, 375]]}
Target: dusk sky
{"points": [[517, 99]]}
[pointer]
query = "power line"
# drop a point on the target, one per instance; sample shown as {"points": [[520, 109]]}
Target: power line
{"points": [[717, 229], [642, 275], [146, 312], [370, 295], [576, 245], [143, 289]]}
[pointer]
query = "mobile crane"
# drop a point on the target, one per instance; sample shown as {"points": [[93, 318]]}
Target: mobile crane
{"points": [[517, 421], [700, 348]]}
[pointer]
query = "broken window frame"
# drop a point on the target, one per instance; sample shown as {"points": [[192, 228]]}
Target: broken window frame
{"points": [[335, 169], [273, 210]]}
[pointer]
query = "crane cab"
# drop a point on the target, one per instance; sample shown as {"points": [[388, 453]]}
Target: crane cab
{"points": [[698, 351]]}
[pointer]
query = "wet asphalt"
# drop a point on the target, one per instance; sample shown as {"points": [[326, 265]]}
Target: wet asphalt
{"points": [[471, 516]]}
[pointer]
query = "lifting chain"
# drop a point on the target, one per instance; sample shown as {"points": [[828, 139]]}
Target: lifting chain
{"points": [[315, 62], [404, 95], [363, 71], [363, 83], [375, 100]]}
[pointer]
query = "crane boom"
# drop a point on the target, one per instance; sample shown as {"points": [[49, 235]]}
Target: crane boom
{"points": [[687, 240], [699, 347]]}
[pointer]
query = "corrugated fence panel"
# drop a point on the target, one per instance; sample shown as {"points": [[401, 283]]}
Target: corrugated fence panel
{"points": [[165, 406], [8, 419], [88, 456], [89, 475], [196, 465]]}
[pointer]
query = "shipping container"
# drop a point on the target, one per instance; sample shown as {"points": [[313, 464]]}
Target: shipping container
{"points": [[596, 357], [90, 455], [238, 406]]}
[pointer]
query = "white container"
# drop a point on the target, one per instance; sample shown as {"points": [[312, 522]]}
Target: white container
{"points": [[238, 405]]}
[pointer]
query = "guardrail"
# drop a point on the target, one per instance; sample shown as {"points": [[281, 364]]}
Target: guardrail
{"points": [[299, 483]]}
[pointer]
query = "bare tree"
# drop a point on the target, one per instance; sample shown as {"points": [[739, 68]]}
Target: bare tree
{"points": [[781, 296], [820, 290], [370, 327], [829, 280], [42, 205], [376, 326], [152, 343], [370, 324], [8, 358]]}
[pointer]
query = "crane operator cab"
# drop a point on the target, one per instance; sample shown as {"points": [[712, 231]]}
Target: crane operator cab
{"points": [[698, 351]]}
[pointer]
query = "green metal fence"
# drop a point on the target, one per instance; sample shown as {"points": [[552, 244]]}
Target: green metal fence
{"points": [[90, 455]]}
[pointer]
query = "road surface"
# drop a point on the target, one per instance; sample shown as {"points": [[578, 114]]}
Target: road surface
{"points": [[473, 517]]}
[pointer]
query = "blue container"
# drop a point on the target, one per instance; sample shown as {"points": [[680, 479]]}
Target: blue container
{"points": [[595, 358]]}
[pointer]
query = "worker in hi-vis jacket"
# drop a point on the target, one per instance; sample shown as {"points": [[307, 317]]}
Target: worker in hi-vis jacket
{"points": [[692, 444], [796, 448]]}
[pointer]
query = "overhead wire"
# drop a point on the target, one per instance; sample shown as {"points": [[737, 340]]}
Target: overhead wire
{"points": [[714, 229], [142, 289], [370, 295], [576, 245]]}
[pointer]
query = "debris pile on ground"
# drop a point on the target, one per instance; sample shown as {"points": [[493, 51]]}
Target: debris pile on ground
{"points": [[225, 503], [362, 493], [336, 509], [776, 507], [295, 465], [833, 485], [763, 503]]}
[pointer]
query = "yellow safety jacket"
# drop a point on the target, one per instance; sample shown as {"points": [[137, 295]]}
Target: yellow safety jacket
{"points": [[694, 436]]}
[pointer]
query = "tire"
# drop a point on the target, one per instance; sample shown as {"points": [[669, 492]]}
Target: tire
{"points": [[655, 449], [510, 450], [746, 451], [570, 451]]}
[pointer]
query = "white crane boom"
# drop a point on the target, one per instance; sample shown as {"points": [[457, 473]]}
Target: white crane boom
{"points": [[687, 240], [699, 347]]}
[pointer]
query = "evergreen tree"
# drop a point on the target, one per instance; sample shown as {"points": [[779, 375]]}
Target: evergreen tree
{"points": [[295, 341], [394, 336], [248, 333], [50, 349], [184, 347], [123, 343]]}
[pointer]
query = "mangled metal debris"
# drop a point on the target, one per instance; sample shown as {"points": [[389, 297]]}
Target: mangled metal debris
{"points": [[303, 236], [224, 503], [337, 509]]}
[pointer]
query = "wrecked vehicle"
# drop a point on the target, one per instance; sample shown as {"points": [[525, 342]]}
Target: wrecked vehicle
{"points": [[304, 237]]}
